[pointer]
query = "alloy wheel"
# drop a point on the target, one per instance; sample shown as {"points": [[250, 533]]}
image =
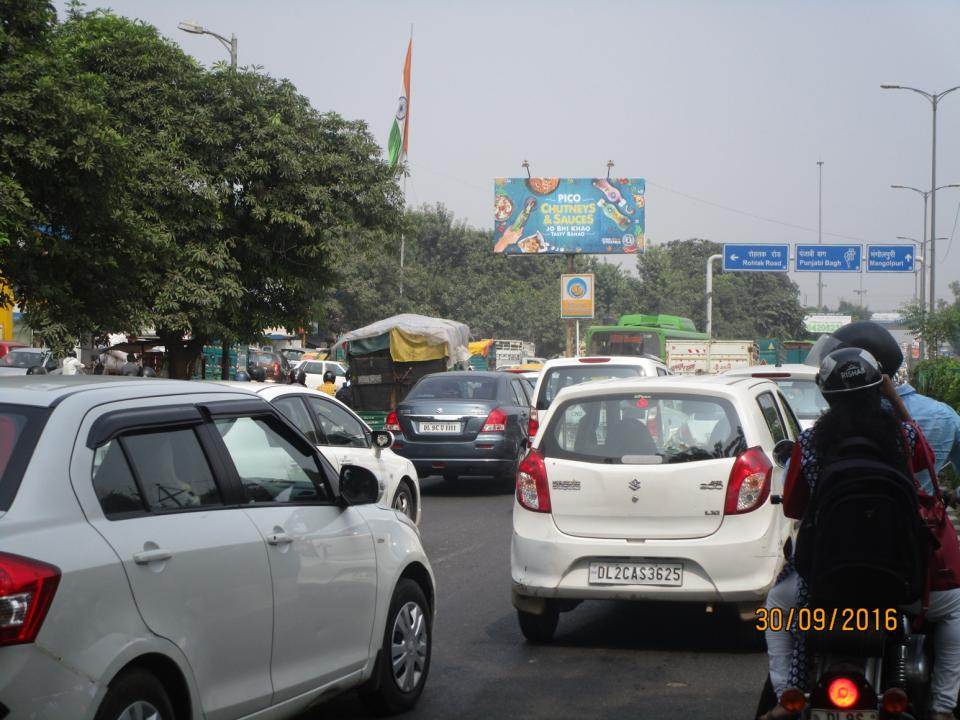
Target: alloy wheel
{"points": [[408, 647], [140, 710], [402, 502]]}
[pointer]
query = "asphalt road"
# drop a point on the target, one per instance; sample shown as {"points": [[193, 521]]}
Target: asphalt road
{"points": [[609, 661]]}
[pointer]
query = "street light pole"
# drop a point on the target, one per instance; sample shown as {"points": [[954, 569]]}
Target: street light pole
{"points": [[820, 230], [194, 28], [934, 99]]}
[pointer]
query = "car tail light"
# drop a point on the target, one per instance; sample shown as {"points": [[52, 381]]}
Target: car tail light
{"points": [[533, 424], [793, 700], [496, 422], [594, 359], [26, 591], [276, 369], [392, 423], [749, 483], [843, 692], [895, 701], [533, 493]]}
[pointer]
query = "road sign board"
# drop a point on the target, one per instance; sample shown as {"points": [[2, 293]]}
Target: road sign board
{"points": [[890, 258], [829, 258], [742, 257], [576, 296]]}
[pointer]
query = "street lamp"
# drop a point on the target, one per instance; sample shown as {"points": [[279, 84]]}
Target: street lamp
{"points": [[195, 28], [934, 99]]}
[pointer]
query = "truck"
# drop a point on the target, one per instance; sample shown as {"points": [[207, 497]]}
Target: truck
{"points": [[494, 354], [708, 357]]}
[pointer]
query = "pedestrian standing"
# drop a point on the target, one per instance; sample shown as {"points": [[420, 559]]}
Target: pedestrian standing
{"points": [[130, 368]]}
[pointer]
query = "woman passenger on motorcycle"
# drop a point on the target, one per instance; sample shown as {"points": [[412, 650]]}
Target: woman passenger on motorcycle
{"points": [[854, 387]]}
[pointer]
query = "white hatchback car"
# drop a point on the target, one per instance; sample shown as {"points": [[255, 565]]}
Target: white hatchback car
{"points": [[344, 438], [649, 489], [314, 370], [565, 372], [176, 550], [799, 385]]}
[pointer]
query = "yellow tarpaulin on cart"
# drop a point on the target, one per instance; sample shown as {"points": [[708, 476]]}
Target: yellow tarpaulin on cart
{"points": [[405, 347], [479, 347]]}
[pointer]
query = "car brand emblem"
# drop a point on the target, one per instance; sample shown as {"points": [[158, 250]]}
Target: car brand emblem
{"points": [[635, 499], [634, 484], [712, 485], [439, 410]]}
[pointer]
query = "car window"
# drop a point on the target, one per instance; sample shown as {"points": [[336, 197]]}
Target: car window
{"points": [[557, 378], [172, 469], [337, 369], [296, 412], [518, 393], [661, 371], [771, 415], [792, 421], [312, 368], [23, 358], [443, 387], [271, 468], [339, 426], [20, 427], [114, 483], [647, 429], [804, 397]]}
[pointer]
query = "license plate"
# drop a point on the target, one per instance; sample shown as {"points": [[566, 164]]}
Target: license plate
{"points": [[636, 573], [844, 715], [434, 427]]}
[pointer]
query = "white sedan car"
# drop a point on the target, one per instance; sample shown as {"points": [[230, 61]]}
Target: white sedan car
{"points": [[315, 369], [177, 550], [799, 385], [344, 438], [651, 489]]}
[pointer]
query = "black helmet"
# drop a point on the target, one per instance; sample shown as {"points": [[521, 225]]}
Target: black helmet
{"points": [[875, 339], [149, 372], [848, 370], [330, 376], [241, 376]]}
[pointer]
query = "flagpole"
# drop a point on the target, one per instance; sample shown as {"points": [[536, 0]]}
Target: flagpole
{"points": [[403, 242]]}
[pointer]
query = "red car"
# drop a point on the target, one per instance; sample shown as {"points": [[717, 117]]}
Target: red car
{"points": [[8, 345]]}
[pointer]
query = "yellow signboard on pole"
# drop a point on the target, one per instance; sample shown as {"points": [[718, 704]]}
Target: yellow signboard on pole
{"points": [[6, 312], [576, 296]]}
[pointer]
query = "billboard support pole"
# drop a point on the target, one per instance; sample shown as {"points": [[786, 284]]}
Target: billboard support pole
{"points": [[710, 261], [569, 322]]}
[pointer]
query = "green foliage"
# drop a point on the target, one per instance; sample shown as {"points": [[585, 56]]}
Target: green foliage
{"points": [[936, 328], [745, 305], [857, 312], [939, 379]]}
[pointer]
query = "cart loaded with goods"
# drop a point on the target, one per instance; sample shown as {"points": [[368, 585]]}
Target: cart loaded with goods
{"points": [[386, 358]]}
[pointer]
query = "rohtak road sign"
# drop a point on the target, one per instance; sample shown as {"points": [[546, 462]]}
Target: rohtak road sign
{"points": [[829, 258], [890, 258], [743, 257]]}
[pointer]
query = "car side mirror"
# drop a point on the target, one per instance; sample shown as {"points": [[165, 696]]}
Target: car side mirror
{"points": [[782, 452], [381, 439], [358, 486]]}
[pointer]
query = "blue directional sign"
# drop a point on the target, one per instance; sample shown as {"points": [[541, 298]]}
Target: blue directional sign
{"points": [[890, 258], [756, 258], [829, 258]]}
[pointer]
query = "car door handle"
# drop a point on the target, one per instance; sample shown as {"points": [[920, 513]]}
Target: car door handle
{"points": [[279, 538], [148, 556]]}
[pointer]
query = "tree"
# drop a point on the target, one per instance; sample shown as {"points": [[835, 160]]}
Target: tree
{"points": [[142, 191], [935, 328], [857, 312], [745, 305]]}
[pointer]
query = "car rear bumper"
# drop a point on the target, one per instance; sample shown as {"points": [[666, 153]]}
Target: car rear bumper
{"points": [[736, 564], [35, 684], [485, 455]]}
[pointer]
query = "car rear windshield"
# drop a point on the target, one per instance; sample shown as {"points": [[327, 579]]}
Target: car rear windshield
{"points": [[454, 388], [23, 358], [555, 379], [20, 428], [804, 397], [644, 429]]}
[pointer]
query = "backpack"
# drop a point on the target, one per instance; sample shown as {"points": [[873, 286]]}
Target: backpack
{"points": [[862, 541]]}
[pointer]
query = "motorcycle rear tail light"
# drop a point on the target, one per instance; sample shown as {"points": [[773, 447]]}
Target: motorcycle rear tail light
{"points": [[793, 700], [895, 701], [843, 692]]}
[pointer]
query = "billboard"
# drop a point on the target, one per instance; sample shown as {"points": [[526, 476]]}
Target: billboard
{"points": [[576, 296], [562, 216], [825, 323]]}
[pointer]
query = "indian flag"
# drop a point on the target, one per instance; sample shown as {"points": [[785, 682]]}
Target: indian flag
{"points": [[397, 147]]}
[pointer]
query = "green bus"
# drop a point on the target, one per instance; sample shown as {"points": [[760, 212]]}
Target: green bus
{"points": [[637, 335]]}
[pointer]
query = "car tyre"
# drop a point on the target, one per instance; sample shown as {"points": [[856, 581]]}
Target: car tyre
{"points": [[136, 694], [407, 636], [539, 628], [404, 501]]}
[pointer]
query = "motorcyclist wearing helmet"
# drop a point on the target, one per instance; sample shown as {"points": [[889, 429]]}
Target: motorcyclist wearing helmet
{"points": [[856, 389], [329, 383]]}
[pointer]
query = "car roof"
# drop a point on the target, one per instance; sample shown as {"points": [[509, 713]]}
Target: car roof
{"points": [[725, 385], [50, 390], [797, 369], [264, 388]]}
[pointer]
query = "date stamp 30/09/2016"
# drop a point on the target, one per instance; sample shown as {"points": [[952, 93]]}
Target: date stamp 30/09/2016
{"points": [[827, 619]]}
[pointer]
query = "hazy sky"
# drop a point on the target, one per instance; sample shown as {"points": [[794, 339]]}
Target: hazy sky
{"points": [[714, 103]]}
